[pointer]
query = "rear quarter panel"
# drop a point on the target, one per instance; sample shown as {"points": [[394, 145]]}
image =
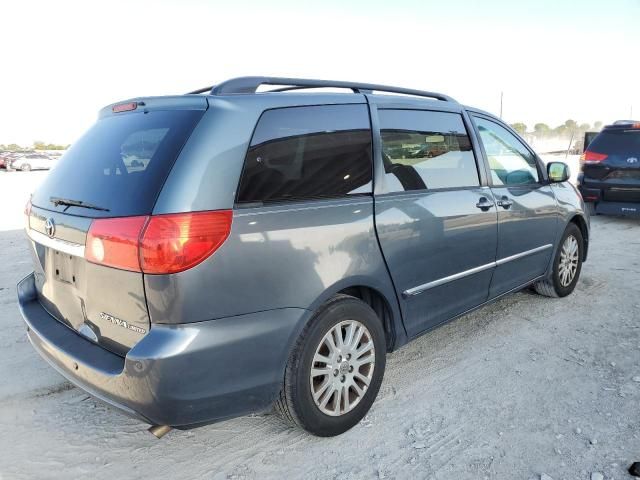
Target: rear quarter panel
{"points": [[284, 256]]}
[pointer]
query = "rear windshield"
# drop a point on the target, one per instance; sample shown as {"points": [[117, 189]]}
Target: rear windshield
{"points": [[622, 142], [120, 164]]}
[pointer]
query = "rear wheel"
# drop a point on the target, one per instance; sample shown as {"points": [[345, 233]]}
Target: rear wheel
{"points": [[335, 369], [566, 265], [591, 208], [25, 168]]}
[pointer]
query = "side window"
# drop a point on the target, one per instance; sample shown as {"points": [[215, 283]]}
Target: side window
{"points": [[308, 152], [426, 150], [510, 161]]}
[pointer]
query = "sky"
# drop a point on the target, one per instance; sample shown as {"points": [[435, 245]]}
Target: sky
{"points": [[553, 60]]}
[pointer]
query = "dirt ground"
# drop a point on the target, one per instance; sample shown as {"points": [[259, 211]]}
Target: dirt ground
{"points": [[525, 387]]}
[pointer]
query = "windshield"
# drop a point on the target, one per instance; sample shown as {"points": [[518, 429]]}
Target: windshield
{"points": [[119, 164]]}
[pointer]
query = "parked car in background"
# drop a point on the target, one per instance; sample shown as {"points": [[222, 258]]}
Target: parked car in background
{"points": [[610, 170], [32, 161], [8, 157], [200, 257], [4, 159]]}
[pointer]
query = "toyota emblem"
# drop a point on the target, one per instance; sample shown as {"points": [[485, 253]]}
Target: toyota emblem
{"points": [[632, 160], [50, 227]]}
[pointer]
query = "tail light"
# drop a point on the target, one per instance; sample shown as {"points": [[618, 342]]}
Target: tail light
{"points": [[157, 244], [124, 107], [173, 243], [592, 157], [114, 242]]}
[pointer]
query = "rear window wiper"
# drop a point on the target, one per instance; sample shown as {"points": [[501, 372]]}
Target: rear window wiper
{"points": [[67, 202]]}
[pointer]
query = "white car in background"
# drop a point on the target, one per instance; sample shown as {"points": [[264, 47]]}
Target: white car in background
{"points": [[32, 161]]}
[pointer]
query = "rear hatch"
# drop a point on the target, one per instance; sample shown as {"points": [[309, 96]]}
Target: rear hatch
{"points": [[115, 170], [613, 162]]}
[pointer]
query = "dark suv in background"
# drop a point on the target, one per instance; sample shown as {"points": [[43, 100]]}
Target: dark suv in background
{"points": [[610, 177], [200, 257]]}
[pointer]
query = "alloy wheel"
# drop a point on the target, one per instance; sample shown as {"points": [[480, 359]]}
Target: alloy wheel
{"points": [[568, 265], [342, 368]]}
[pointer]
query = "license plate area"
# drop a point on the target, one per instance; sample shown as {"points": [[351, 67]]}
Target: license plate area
{"points": [[63, 268]]}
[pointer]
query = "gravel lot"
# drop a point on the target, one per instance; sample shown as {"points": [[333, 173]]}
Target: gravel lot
{"points": [[525, 387]]}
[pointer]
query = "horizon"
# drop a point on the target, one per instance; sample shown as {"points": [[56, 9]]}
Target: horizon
{"points": [[33, 145], [547, 58]]}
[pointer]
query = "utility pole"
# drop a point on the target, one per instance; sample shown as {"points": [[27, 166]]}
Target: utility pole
{"points": [[501, 95]]}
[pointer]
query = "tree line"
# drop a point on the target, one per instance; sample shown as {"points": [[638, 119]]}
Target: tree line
{"points": [[37, 145], [567, 129]]}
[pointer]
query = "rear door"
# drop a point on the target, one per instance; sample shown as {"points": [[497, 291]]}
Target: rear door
{"points": [[527, 211], [115, 170], [435, 219]]}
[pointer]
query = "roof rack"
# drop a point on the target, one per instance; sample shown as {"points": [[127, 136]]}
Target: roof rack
{"points": [[625, 122], [248, 85]]}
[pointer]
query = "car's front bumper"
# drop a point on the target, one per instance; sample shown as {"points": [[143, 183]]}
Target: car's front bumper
{"points": [[178, 375]]}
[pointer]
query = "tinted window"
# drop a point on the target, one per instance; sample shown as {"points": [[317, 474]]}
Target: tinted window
{"points": [[120, 163], [510, 161], [308, 152], [426, 150], [617, 142]]}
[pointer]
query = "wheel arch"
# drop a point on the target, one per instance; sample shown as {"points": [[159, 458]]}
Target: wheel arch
{"points": [[380, 305], [581, 223], [382, 300]]}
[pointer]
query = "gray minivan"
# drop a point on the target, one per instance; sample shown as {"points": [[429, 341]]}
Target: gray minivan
{"points": [[204, 256]]}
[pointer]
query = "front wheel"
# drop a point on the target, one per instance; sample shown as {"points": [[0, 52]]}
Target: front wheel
{"points": [[335, 369], [567, 265]]}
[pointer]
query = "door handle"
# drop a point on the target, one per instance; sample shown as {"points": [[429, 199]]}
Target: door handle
{"points": [[484, 204], [504, 202]]}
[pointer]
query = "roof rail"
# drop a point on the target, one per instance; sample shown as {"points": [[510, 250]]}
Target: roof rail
{"points": [[247, 85]]}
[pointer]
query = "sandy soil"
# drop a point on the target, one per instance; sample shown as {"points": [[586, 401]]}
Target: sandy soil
{"points": [[525, 387]]}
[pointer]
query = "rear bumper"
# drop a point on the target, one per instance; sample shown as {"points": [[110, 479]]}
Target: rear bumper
{"points": [[178, 375], [618, 208], [609, 191], [611, 199]]}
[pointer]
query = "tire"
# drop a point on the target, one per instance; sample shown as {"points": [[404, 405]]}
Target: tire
{"points": [[296, 403], [25, 168], [556, 286], [591, 208]]}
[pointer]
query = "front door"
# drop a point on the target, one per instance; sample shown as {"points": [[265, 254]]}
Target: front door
{"points": [[527, 212], [436, 222]]}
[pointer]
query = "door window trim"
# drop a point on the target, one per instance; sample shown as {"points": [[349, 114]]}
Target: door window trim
{"points": [[379, 184], [542, 177], [423, 192]]}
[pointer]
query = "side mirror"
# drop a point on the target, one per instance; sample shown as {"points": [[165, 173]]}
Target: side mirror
{"points": [[558, 172]]}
